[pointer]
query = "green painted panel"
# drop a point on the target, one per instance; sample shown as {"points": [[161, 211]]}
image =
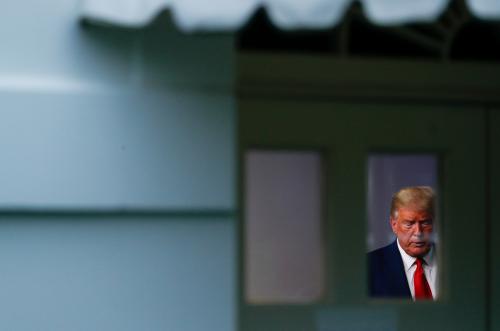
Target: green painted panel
{"points": [[347, 133], [494, 230]]}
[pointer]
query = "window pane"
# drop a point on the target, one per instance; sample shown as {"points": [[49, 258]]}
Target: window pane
{"points": [[283, 212], [387, 175]]}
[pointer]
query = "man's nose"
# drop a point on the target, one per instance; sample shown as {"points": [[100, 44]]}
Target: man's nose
{"points": [[418, 228]]}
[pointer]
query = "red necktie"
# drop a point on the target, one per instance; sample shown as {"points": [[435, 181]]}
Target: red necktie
{"points": [[422, 289]]}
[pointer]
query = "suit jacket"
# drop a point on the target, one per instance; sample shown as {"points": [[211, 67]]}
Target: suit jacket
{"points": [[387, 274]]}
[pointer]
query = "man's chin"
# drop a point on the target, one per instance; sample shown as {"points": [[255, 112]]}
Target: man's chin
{"points": [[419, 251]]}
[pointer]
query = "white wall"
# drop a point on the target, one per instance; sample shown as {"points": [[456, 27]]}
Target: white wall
{"points": [[115, 273], [95, 120], [101, 117], [130, 150]]}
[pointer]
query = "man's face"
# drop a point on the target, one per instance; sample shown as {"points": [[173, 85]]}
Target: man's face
{"points": [[414, 230]]}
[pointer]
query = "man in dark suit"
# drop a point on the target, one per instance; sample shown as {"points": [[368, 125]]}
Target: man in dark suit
{"points": [[407, 267]]}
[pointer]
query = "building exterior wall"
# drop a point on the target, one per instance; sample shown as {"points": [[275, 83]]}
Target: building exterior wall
{"points": [[302, 87], [117, 178]]}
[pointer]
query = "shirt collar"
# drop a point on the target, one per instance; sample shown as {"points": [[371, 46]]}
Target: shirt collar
{"points": [[409, 261]]}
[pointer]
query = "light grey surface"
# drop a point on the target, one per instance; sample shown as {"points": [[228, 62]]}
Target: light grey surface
{"points": [[283, 220], [388, 173], [115, 274], [171, 150], [48, 41], [94, 117]]}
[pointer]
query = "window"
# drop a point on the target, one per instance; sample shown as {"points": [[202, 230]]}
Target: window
{"points": [[283, 218]]}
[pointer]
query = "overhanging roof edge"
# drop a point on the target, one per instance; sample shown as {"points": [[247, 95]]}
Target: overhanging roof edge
{"points": [[229, 15]]}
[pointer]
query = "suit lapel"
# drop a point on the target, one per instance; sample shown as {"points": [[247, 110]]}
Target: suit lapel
{"points": [[399, 283]]}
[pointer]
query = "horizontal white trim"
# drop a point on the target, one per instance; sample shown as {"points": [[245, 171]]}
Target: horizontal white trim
{"points": [[486, 9], [33, 83]]}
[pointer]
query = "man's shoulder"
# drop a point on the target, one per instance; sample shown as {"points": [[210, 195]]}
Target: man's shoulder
{"points": [[387, 276], [385, 250], [384, 256]]}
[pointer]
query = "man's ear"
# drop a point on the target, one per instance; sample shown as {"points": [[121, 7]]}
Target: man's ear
{"points": [[393, 222]]}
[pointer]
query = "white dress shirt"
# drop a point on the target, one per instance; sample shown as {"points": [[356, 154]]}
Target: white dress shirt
{"points": [[430, 270]]}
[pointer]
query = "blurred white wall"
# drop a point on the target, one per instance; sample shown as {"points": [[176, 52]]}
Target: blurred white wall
{"points": [[99, 120]]}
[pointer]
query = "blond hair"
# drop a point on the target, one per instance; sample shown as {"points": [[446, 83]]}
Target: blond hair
{"points": [[417, 197]]}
